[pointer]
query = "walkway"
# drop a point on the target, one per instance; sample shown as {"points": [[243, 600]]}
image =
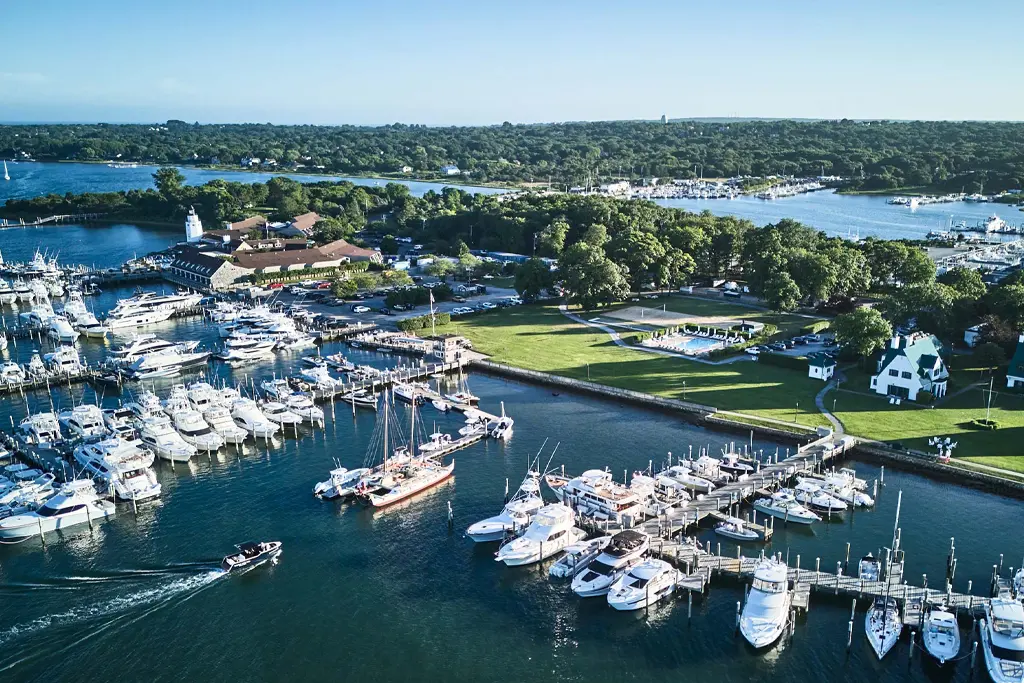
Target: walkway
{"points": [[646, 349], [819, 400]]}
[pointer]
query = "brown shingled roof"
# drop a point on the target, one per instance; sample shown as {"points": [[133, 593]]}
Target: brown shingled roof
{"points": [[339, 248], [249, 223], [266, 259], [305, 222]]}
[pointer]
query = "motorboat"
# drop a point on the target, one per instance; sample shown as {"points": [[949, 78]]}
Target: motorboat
{"points": [[341, 483], [60, 330], [662, 494], [276, 388], [595, 494], [141, 344], [89, 326], [320, 378], [840, 489], [501, 429], [361, 399], [409, 392], [514, 517], [22, 292], [295, 341], [202, 396], [250, 555], [883, 625], [166, 363], [785, 507], [436, 442], [441, 406], [36, 369], [194, 430], [11, 373], [626, 549], [643, 585], [7, 294], [177, 401], [941, 634], [249, 417], [239, 350], [578, 556], [157, 433], [64, 362], [816, 498], [220, 421], [120, 422], [24, 496], [279, 414], [869, 568], [83, 421], [419, 474], [732, 463], [463, 398], [303, 406], [709, 468], [76, 503], [316, 361], [685, 476], [734, 528], [473, 428], [847, 476], [147, 308], [550, 532], [41, 429], [145, 405], [766, 612], [122, 466], [339, 362], [1002, 639]]}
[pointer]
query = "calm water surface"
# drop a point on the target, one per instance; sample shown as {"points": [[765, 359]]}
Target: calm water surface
{"points": [[396, 595]]}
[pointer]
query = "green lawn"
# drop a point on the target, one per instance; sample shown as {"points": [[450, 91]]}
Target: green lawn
{"points": [[910, 424], [541, 338]]}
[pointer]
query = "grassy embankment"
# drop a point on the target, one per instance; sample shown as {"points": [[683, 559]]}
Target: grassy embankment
{"points": [[541, 338]]}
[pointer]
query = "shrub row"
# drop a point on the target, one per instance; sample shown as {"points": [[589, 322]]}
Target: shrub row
{"points": [[421, 322], [783, 361], [816, 327]]}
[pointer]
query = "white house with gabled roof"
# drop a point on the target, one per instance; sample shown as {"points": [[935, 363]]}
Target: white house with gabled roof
{"points": [[911, 364]]}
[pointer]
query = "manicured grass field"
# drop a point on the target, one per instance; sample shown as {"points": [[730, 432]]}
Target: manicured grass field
{"points": [[541, 338]]}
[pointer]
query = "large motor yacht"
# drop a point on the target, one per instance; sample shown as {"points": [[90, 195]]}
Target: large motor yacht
{"points": [[166, 363], [552, 529], [122, 466], [11, 373], [83, 421], [220, 421], [279, 414], [514, 517], [157, 433], [1002, 640], [194, 430], [148, 308], [784, 506], [41, 429], [141, 344], [76, 503], [595, 494], [578, 556], [626, 549], [60, 330], [65, 361], [249, 417], [146, 404], [766, 612]]}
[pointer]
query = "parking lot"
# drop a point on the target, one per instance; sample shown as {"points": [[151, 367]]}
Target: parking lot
{"points": [[824, 343]]}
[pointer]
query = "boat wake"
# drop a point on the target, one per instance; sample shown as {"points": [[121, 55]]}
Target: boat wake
{"points": [[110, 610]]}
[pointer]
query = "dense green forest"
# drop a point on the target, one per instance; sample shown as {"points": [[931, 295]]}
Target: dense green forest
{"points": [[876, 155]]}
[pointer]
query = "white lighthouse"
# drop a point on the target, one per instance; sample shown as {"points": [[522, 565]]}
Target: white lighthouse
{"points": [[193, 226]]}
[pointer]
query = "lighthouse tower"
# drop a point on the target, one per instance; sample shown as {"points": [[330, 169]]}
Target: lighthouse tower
{"points": [[193, 226]]}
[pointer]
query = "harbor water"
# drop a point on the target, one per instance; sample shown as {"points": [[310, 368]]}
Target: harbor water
{"points": [[397, 595]]}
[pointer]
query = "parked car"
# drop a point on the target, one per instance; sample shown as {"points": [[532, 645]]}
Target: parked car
{"points": [[385, 311], [754, 351], [459, 299], [275, 285], [799, 341], [815, 338], [360, 309], [777, 346], [488, 305]]}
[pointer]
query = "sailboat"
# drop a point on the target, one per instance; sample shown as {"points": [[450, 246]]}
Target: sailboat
{"points": [[7, 176]]}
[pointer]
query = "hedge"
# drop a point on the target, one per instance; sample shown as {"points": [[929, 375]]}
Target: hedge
{"points": [[783, 361], [421, 322], [816, 327], [981, 423]]}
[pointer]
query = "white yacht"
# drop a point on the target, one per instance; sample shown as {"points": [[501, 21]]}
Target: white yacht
{"points": [[220, 421], [840, 489], [514, 517], [869, 568], [595, 494], [146, 404], [120, 422], [83, 421], [709, 468], [203, 396], [194, 429], [736, 529], [1002, 640], [766, 612], [416, 475], [436, 442], [11, 373], [662, 494], [320, 378], [342, 483], [36, 369], [92, 328], [65, 361], [280, 414], [122, 466], [41, 429], [249, 417], [22, 292], [177, 401], [883, 625], [578, 556], [734, 464], [157, 433], [785, 507], [7, 294], [246, 350], [685, 476], [339, 362], [643, 585], [166, 363], [148, 308], [303, 406], [410, 392], [276, 388], [941, 635], [76, 503], [24, 496], [501, 429], [141, 344], [626, 549], [60, 330], [550, 532]]}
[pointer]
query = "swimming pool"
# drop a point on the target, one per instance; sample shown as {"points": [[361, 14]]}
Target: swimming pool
{"points": [[684, 343]]}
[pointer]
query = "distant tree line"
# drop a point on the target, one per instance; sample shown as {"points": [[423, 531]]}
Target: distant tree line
{"points": [[876, 155]]}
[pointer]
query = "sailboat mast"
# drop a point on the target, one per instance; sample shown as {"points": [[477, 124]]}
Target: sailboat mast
{"points": [[412, 426], [385, 430]]}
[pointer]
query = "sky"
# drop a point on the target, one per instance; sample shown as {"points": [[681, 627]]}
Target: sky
{"points": [[448, 62]]}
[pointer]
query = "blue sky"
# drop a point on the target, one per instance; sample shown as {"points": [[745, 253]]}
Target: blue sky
{"points": [[448, 62]]}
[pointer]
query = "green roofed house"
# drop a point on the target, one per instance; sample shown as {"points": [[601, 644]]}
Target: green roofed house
{"points": [[1015, 373], [820, 366], [910, 364]]}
